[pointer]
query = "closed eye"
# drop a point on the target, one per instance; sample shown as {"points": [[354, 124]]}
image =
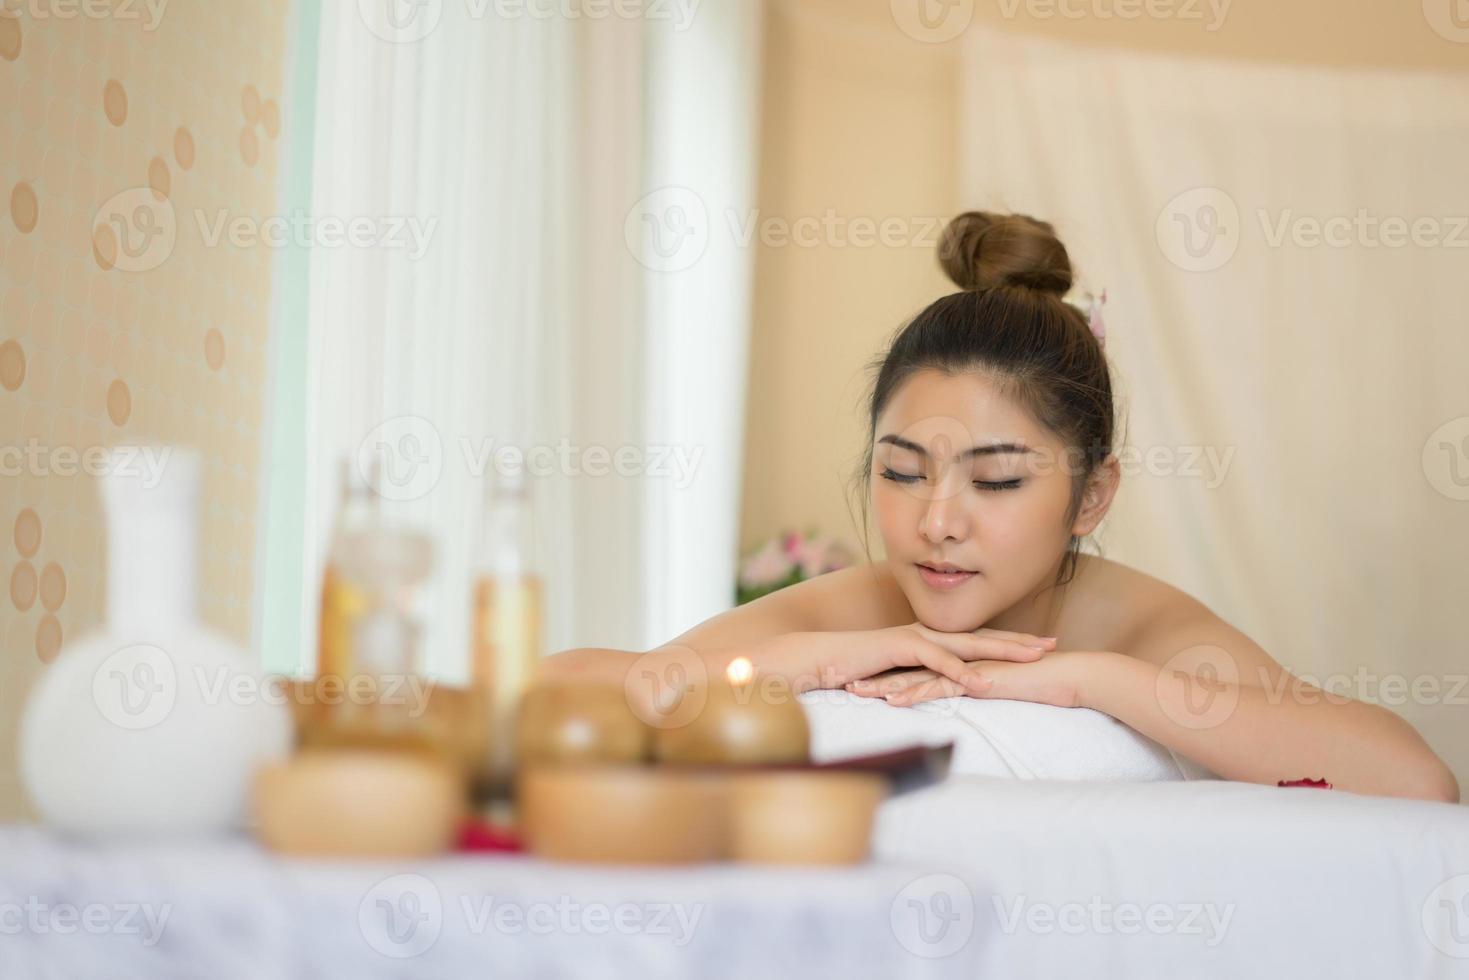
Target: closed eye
{"points": [[896, 477]]}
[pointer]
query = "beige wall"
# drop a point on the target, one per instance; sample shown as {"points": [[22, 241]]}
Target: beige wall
{"points": [[859, 118], [95, 356]]}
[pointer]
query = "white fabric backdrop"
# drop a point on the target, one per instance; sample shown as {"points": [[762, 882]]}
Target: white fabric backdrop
{"points": [[1336, 531], [520, 146]]}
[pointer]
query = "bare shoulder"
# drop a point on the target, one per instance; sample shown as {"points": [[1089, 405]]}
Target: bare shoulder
{"points": [[861, 597], [1116, 607]]}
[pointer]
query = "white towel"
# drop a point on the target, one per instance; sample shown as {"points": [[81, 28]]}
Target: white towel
{"points": [[994, 737]]}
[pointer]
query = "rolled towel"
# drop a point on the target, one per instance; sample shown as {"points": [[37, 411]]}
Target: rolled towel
{"points": [[1015, 739]]}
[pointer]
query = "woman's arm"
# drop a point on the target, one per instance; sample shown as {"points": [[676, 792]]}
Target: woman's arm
{"points": [[1205, 690], [864, 597], [1257, 734]]}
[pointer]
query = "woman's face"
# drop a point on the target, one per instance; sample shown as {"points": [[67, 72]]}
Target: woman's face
{"points": [[963, 478]]}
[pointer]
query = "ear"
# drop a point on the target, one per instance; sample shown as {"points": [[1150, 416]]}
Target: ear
{"points": [[1101, 486]]}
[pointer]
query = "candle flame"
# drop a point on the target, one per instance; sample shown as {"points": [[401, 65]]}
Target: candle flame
{"points": [[740, 670]]}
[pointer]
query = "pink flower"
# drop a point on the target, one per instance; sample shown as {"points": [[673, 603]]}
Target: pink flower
{"points": [[767, 566], [824, 555]]}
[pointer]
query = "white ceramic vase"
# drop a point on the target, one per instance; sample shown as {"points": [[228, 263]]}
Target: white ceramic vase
{"points": [[153, 725]]}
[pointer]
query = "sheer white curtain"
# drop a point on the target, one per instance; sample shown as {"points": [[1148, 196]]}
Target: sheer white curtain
{"points": [[1285, 251], [515, 149]]}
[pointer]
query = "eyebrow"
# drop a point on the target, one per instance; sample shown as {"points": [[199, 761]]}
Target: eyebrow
{"points": [[992, 449]]}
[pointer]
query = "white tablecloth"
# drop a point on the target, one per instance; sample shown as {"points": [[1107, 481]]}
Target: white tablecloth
{"points": [[228, 910]]}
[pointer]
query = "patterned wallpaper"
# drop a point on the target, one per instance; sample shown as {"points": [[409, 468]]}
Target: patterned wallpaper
{"points": [[133, 134]]}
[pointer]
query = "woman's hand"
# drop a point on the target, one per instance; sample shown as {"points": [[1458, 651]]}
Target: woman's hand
{"points": [[1054, 678], [840, 658]]}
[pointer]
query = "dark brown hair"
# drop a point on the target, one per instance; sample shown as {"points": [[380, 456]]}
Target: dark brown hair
{"points": [[1010, 322]]}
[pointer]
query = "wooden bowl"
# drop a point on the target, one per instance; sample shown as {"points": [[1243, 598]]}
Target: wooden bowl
{"points": [[795, 817], [339, 802], [624, 814], [430, 715], [570, 722], [739, 726]]}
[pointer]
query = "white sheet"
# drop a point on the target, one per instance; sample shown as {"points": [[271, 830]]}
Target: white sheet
{"points": [[1061, 879], [1016, 739]]}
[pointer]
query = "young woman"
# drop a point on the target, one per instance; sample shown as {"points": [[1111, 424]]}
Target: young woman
{"points": [[989, 458]]}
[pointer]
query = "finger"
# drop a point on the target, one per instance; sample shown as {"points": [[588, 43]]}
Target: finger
{"points": [[1029, 639], [970, 646], [942, 661], [930, 690], [881, 685]]}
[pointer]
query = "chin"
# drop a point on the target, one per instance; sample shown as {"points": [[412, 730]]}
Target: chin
{"points": [[951, 613]]}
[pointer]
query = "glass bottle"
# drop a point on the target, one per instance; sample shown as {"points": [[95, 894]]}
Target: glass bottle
{"points": [[506, 628], [341, 602]]}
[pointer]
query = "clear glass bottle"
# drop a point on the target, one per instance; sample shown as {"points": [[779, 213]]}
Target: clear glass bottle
{"points": [[341, 602], [506, 631]]}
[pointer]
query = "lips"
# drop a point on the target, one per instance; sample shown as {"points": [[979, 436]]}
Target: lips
{"points": [[944, 577]]}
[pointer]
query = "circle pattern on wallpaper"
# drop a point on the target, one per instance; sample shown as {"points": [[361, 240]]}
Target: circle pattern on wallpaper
{"points": [[214, 349], [104, 247], [250, 103], [159, 178], [183, 148], [249, 147], [143, 226], [115, 102], [53, 586], [48, 638], [25, 210], [12, 365], [27, 533], [10, 38], [119, 402], [270, 118], [23, 585]]}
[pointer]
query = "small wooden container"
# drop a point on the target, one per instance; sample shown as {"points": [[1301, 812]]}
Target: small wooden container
{"points": [[803, 816], [741, 722], [622, 814], [570, 723], [342, 802]]}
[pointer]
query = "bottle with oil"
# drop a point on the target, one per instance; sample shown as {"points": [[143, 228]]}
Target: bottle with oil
{"points": [[342, 602], [506, 628], [369, 636]]}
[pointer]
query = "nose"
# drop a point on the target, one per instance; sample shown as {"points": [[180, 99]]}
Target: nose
{"points": [[944, 517]]}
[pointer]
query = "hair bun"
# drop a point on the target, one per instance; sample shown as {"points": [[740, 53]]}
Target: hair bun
{"points": [[980, 249]]}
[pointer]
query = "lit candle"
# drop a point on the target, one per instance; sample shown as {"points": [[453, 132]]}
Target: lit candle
{"points": [[744, 720]]}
